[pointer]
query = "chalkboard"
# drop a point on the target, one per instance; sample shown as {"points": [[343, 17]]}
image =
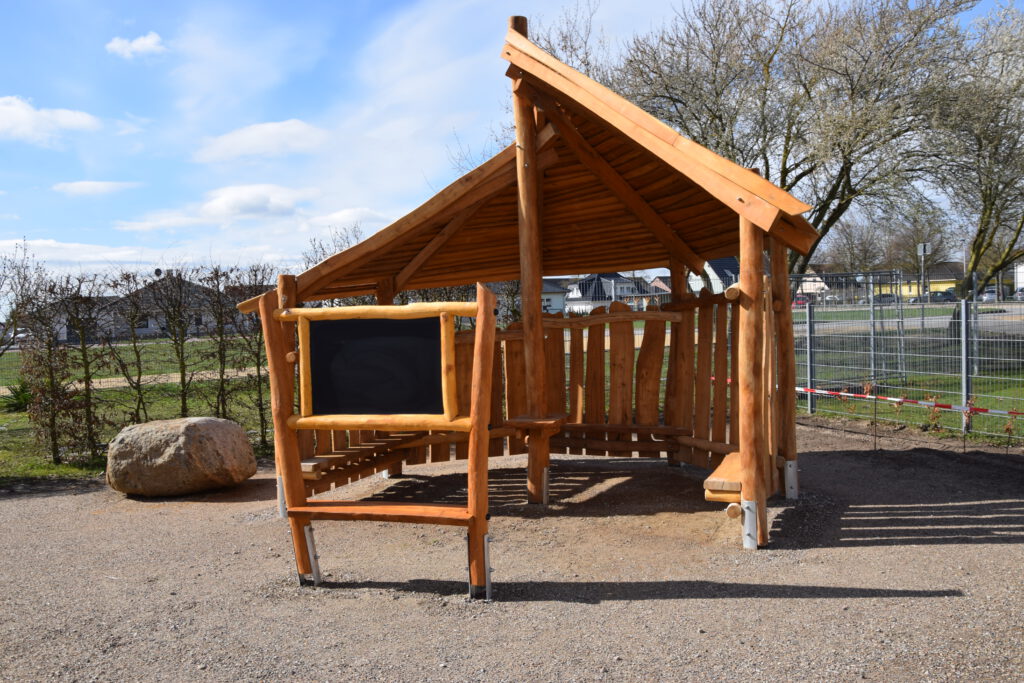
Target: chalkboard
{"points": [[376, 367]]}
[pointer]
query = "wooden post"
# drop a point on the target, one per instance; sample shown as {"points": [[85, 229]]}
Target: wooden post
{"points": [[749, 370], [386, 297], [785, 402], [480, 413], [282, 401], [679, 388], [530, 276]]}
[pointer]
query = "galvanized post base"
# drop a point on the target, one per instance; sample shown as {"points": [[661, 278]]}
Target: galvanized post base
{"points": [[481, 592], [282, 509], [792, 487], [314, 560], [544, 490], [749, 508]]}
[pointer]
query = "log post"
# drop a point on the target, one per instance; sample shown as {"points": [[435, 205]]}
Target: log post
{"points": [[480, 413], [679, 411], [785, 404], [386, 297], [749, 374], [530, 275], [282, 399]]}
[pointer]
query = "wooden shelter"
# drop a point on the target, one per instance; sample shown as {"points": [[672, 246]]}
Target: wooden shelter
{"points": [[593, 183]]}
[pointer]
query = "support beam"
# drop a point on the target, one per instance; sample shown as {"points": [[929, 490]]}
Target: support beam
{"points": [[439, 240], [749, 371], [530, 255], [589, 157]]}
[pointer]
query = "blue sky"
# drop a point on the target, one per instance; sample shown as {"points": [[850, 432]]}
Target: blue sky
{"points": [[140, 133]]}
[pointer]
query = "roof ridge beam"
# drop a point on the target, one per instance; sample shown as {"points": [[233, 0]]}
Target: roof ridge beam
{"points": [[613, 180]]}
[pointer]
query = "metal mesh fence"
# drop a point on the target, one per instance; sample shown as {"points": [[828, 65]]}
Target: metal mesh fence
{"points": [[965, 356]]}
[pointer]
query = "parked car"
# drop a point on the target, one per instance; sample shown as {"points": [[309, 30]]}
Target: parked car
{"points": [[1019, 294], [880, 299], [800, 300], [943, 297], [989, 296]]}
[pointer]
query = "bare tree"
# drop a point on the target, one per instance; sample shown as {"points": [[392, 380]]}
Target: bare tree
{"points": [[337, 239], [79, 298], [828, 103], [125, 346], [20, 276], [979, 140], [246, 283], [218, 325], [174, 297]]}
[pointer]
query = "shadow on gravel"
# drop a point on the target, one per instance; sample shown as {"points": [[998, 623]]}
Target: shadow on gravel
{"points": [[13, 487], [578, 487], [915, 497], [248, 491], [594, 592]]}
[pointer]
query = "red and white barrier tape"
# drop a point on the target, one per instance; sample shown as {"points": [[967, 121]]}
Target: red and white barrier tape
{"points": [[910, 401]]}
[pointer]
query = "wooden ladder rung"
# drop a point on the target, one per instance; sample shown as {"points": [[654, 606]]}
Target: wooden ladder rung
{"points": [[417, 513]]}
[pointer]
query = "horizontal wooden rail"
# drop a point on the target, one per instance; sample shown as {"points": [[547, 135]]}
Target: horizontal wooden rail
{"points": [[383, 422], [601, 318], [416, 513], [410, 311]]}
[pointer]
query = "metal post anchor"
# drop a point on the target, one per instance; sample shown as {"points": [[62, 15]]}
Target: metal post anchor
{"points": [[314, 559], [792, 488], [474, 591], [544, 489], [749, 508], [282, 509]]}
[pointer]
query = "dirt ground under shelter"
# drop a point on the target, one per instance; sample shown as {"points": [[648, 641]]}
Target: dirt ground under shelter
{"points": [[900, 564]]}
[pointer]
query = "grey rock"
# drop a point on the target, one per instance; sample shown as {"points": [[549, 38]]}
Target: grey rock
{"points": [[175, 457]]}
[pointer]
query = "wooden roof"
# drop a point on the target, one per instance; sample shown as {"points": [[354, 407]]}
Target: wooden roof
{"points": [[620, 191]]}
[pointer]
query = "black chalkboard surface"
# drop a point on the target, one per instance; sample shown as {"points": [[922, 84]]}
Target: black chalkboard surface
{"points": [[376, 367]]}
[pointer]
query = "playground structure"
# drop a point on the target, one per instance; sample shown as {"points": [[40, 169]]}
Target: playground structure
{"points": [[591, 184]]}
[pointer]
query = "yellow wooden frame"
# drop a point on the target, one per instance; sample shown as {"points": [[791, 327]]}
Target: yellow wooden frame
{"points": [[445, 312]]}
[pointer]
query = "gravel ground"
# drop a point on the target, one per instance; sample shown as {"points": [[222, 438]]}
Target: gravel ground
{"points": [[897, 565]]}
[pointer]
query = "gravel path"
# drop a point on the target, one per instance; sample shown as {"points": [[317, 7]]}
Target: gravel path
{"points": [[898, 565]]}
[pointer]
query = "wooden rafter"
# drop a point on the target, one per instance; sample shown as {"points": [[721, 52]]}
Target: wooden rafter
{"points": [[590, 158], [454, 225]]}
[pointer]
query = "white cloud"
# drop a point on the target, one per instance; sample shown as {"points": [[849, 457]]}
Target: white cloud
{"points": [[273, 139], [9, 217], [149, 44], [226, 205], [19, 120], [80, 188], [247, 201]]}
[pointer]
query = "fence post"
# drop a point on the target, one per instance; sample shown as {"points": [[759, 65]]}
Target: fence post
{"points": [[871, 317], [965, 361], [809, 315]]}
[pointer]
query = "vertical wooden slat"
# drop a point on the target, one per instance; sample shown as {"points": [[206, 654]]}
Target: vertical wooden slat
{"points": [[785, 403], [734, 389], [464, 377], [554, 353], [594, 408], [702, 380], [576, 375], [770, 472], [440, 452], [496, 448], [648, 378], [305, 371], [620, 364], [721, 385], [324, 442], [515, 385]]}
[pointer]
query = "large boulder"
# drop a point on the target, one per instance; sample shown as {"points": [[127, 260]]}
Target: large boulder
{"points": [[173, 457]]}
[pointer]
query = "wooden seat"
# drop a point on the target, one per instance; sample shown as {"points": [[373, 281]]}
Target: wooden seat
{"points": [[723, 484]]}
